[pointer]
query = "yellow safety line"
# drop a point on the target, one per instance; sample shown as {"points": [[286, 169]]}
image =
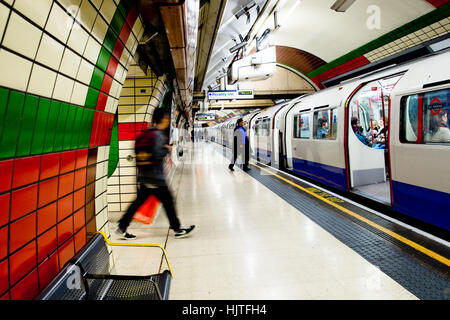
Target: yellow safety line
{"points": [[410, 243], [121, 244]]}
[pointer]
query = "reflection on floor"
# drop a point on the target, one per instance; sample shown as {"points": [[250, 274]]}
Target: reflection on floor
{"points": [[249, 243], [378, 191]]}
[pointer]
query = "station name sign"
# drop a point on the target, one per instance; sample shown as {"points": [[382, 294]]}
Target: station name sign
{"points": [[230, 94]]}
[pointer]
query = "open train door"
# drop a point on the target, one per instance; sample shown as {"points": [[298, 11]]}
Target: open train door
{"points": [[368, 139]]}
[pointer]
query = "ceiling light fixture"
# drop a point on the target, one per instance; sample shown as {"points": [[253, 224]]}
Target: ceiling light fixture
{"points": [[342, 5]]}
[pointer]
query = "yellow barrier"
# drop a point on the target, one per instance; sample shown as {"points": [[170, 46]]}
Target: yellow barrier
{"points": [[121, 244]]}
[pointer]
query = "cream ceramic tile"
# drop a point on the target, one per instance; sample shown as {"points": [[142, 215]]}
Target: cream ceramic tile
{"points": [[72, 6], [85, 72], [92, 50], [108, 9], [63, 88], [4, 13], [99, 30], [50, 52], [78, 38], [70, 63], [79, 94], [29, 35], [97, 3], [59, 23], [15, 70], [87, 14], [35, 10], [42, 81]]}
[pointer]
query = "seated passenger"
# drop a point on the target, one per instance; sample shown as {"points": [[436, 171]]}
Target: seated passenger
{"points": [[322, 131], [438, 128], [358, 130]]}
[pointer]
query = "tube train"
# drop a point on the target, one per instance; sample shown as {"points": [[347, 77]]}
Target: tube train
{"points": [[383, 135]]}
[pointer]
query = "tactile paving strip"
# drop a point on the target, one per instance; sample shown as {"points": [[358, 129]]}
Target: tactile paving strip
{"points": [[396, 261]]}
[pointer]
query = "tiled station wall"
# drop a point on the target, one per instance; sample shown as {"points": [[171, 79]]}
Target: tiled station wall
{"points": [[139, 97], [63, 64], [423, 29]]}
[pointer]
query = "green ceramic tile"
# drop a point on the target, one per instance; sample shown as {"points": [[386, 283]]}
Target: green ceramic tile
{"points": [[110, 40], [97, 78], [4, 94], [12, 124], [68, 131], [103, 59], [27, 126], [91, 98], [76, 127], [37, 146], [60, 127], [124, 7], [117, 21], [88, 130], [52, 123]]}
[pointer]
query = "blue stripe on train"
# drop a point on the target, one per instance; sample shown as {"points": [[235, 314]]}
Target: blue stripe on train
{"points": [[264, 155], [330, 175], [425, 204]]}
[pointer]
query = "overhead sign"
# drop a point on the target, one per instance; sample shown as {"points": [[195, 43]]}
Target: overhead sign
{"points": [[230, 94]]}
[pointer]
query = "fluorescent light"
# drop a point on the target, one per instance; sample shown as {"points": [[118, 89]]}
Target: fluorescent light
{"points": [[444, 44], [342, 5]]}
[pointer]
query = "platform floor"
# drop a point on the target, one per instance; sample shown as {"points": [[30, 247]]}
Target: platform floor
{"points": [[249, 243]]}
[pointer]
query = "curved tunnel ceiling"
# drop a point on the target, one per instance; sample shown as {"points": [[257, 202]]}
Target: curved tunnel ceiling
{"points": [[323, 43]]}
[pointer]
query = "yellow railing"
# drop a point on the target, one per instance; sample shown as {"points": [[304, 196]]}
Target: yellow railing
{"points": [[121, 244]]}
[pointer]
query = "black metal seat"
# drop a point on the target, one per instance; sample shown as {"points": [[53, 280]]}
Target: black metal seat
{"points": [[89, 276]]}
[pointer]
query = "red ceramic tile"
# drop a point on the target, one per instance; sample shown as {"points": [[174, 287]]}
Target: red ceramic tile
{"points": [[46, 218], [112, 66], [47, 243], [22, 262], [3, 242], [132, 16], [94, 130], [4, 284], [68, 161], [124, 136], [5, 297], [48, 270], [66, 252], [79, 199], [50, 165], [106, 84], [65, 230], [22, 232], [23, 201], [126, 126], [118, 48], [81, 161], [4, 208], [124, 34], [26, 171], [65, 184], [65, 207], [27, 289], [101, 102], [80, 179], [80, 240], [6, 168], [48, 192], [79, 220]]}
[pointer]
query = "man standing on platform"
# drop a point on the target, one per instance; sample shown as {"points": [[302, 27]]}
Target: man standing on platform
{"points": [[241, 146]]}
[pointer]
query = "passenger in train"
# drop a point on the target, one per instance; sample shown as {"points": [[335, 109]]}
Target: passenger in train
{"points": [[151, 148], [358, 130], [322, 131], [241, 145], [438, 128]]}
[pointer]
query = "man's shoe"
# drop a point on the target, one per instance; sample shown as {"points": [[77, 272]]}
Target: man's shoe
{"points": [[124, 235], [184, 232], [231, 167], [247, 169]]}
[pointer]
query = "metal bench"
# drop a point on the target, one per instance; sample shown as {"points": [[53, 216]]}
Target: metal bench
{"points": [[87, 276]]}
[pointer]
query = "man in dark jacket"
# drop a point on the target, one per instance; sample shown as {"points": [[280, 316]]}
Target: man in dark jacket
{"points": [[151, 148], [241, 146]]}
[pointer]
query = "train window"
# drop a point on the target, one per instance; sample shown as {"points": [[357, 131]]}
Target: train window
{"points": [[301, 126], [325, 124], [424, 118], [369, 110]]}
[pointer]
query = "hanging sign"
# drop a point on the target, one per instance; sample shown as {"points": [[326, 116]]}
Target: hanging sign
{"points": [[230, 94]]}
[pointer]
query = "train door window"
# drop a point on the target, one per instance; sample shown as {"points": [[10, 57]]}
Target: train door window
{"points": [[266, 124], [424, 118], [369, 110], [296, 127], [325, 124], [257, 127]]}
